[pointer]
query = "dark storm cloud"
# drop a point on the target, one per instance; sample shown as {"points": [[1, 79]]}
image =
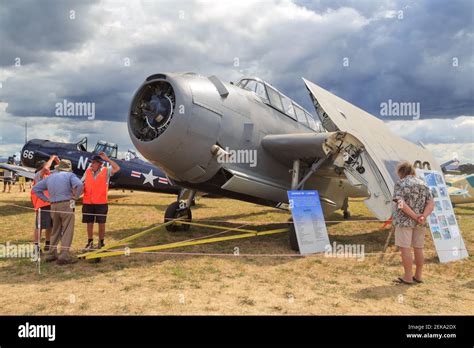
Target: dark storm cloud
{"points": [[407, 59], [32, 30]]}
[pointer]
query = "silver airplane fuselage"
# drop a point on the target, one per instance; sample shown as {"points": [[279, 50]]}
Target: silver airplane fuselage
{"points": [[180, 122]]}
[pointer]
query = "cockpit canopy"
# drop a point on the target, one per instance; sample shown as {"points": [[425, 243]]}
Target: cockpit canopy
{"points": [[110, 149], [271, 96]]}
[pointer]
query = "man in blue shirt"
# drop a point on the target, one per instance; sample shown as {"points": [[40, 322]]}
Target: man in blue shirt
{"points": [[63, 188]]}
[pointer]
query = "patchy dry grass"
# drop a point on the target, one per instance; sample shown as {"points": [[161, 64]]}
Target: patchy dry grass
{"points": [[177, 284]]}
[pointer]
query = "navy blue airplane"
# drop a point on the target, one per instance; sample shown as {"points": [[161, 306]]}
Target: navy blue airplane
{"points": [[134, 174]]}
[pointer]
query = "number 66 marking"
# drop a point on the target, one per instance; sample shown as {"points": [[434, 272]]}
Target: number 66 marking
{"points": [[28, 154]]}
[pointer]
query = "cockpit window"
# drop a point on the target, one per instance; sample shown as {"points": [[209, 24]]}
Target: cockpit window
{"points": [[251, 84], [108, 148], [300, 115], [242, 83], [271, 96], [261, 91], [274, 97], [312, 122], [288, 106], [82, 144]]}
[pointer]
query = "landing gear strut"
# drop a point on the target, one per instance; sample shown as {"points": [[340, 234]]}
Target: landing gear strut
{"points": [[180, 210]]}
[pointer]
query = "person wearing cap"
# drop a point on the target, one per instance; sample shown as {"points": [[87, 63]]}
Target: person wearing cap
{"points": [[63, 187], [44, 221], [94, 202]]}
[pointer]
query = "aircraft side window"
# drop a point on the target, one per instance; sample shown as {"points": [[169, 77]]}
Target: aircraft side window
{"points": [[288, 106], [242, 83], [261, 91], [114, 152], [312, 122], [300, 115], [274, 97], [251, 85], [99, 148]]}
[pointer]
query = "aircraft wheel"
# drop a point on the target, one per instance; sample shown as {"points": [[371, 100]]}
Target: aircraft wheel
{"points": [[346, 215], [174, 212], [292, 237]]}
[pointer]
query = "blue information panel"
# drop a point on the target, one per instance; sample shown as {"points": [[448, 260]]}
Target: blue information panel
{"points": [[309, 222]]}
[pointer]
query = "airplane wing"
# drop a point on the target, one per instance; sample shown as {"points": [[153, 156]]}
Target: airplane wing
{"points": [[357, 142], [385, 148], [27, 172]]}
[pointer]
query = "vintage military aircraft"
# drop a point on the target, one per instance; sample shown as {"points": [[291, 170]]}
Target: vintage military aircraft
{"points": [[192, 126], [460, 188], [134, 174]]}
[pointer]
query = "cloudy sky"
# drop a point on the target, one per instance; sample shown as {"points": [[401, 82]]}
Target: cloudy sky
{"points": [[367, 52]]}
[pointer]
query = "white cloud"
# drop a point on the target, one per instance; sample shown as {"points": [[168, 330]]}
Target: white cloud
{"points": [[436, 131], [443, 137]]}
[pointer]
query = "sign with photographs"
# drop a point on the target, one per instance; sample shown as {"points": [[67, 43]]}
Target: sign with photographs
{"points": [[308, 219], [442, 221]]}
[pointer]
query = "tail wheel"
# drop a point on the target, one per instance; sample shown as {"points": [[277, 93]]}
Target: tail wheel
{"points": [[174, 212]]}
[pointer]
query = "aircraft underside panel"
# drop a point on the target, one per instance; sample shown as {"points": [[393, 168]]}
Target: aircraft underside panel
{"points": [[244, 184]]}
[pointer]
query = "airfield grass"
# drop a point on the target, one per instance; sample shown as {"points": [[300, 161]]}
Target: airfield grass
{"points": [[208, 285]]}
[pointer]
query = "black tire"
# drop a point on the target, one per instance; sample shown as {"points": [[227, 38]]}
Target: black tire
{"points": [[346, 215], [292, 237], [173, 212]]}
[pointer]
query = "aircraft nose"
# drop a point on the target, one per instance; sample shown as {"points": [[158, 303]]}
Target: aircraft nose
{"points": [[152, 110], [174, 121]]}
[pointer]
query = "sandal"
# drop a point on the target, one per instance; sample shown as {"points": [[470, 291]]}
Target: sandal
{"points": [[400, 280], [417, 281]]}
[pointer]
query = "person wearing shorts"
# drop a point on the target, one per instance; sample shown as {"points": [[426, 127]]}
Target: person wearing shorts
{"points": [[95, 213], [95, 208], [413, 205], [7, 179], [44, 222], [63, 187]]}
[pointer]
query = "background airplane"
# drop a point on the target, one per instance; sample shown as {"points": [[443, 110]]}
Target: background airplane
{"points": [[460, 188], [134, 174]]}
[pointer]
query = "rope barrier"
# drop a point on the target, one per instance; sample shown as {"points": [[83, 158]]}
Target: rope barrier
{"points": [[188, 241], [203, 220]]}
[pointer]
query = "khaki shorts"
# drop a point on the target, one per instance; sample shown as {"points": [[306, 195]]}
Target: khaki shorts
{"points": [[410, 236]]}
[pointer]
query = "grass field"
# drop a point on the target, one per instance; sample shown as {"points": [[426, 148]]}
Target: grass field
{"points": [[187, 284]]}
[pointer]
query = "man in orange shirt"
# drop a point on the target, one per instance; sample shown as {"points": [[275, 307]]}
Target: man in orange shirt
{"points": [[94, 209]]}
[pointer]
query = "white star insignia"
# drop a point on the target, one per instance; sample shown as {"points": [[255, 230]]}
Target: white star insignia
{"points": [[149, 178]]}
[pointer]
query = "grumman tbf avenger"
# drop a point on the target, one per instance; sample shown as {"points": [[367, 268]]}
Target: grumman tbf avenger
{"points": [[186, 123], [134, 174]]}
